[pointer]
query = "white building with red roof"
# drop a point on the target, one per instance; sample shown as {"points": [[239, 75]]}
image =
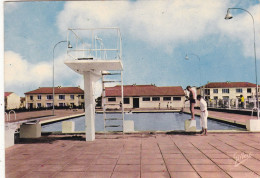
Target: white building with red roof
{"points": [[229, 90], [145, 96], [63, 96], [12, 101]]}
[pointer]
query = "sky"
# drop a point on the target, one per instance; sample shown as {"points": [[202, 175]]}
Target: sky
{"points": [[156, 36]]}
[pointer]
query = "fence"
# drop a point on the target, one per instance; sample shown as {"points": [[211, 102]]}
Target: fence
{"points": [[232, 104]]}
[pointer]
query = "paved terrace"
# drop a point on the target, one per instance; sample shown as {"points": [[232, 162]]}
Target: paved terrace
{"points": [[45, 114], [235, 118], [136, 156]]}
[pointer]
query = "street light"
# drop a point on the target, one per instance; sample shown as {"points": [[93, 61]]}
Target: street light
{"points": [[229, 16], [69, 46], [187, 58]]}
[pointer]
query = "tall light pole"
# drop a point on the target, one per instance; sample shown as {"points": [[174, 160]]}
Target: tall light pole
{"points": [[53, 92], [187, 58], [229, 16]]}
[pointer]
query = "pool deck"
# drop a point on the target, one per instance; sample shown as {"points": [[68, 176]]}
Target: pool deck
{"points": [[223, 116], [136, 156]]}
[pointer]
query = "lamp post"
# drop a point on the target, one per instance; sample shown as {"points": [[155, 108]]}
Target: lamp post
{"points": [[187, 58], [53, 92], [229, 16]]}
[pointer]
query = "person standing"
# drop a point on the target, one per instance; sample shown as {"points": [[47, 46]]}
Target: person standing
{"points": [[242, 99], [203, 115], [192, 99]]}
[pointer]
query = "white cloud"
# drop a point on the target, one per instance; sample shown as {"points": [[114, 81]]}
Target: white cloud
{"points": [[18, 70], [19, 73], [21, 76], [165, 24]]}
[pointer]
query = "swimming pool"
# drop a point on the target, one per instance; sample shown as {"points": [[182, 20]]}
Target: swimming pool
{"points": [[144, 122]]}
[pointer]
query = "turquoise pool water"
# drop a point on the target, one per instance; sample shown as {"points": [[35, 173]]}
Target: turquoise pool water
{"points": [[144, 122]]}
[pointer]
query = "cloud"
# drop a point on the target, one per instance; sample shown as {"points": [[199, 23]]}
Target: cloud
{"points": [[18, 72], [164, 24], [155, 22], [21, 76]]}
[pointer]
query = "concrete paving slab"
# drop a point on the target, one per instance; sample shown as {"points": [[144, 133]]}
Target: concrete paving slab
{"points": [[139, 155]]}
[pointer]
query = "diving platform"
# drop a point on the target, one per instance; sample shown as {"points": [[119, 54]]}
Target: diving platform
{"points": [[95, 51], [80, 66]]}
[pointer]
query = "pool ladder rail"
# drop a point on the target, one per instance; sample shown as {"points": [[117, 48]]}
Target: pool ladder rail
{"points": [[118, 120]]}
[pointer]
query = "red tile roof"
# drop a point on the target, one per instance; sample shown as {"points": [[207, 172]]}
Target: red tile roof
{"points": [[229, 85], [57, 90], [145, 90], [8, 93]]}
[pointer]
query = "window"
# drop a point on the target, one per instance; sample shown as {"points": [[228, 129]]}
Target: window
{"points": [[31, 97], [155, 98], [48, 105], [176, 98], [215, 90], [49, 97], [239, 90], [225, 97], [249, 90], [61, 104], [126, 101], [146, 99], [215, 97], [167, 98], [82, 96], [225, 90], [39, 105], [111, 99], [61, 97], [207, 91], [72, 97], [39, 97]]}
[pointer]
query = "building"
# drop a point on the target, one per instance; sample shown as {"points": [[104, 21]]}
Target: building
{"points": [[145, 96], [63, 96], [12, 101], [228, 90]]}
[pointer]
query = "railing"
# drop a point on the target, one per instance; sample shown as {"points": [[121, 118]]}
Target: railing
{"points": [[232, 104], [8, 116], [94, 44]]}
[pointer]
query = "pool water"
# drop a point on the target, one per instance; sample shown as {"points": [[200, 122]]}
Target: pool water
{"points": [[144, 122]]}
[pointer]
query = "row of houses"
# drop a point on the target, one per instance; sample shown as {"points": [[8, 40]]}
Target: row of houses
{"points": [[135, 96], [43, 98]]}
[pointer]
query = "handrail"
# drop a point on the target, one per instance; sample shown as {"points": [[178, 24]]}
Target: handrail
{"points": [[6, 115], [10, 114], [85, 43]]}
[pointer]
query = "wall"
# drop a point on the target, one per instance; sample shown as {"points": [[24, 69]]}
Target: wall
{"points": [[232, 93], [13, 101], [77, 100], [147, 104]]}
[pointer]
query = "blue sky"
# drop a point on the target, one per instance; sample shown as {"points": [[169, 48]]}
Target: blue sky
{"points": [[156, 37]]}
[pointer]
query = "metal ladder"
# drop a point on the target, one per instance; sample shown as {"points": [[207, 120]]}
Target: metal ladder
{"points": [[113, 119]]}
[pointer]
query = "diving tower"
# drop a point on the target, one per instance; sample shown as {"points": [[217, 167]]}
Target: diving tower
{"points": [[95, 51]]}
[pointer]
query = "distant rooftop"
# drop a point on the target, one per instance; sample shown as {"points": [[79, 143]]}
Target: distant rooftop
{"points": [[229, 85], [145, 90], [8, 93], [57, 90]]}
